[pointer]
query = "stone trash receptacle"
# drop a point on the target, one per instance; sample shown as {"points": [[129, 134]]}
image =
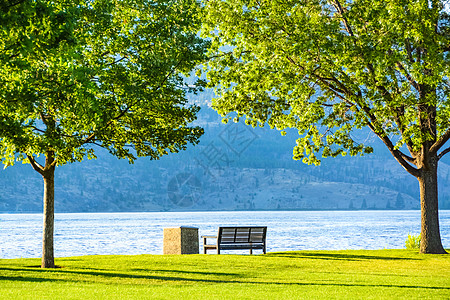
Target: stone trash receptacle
{"points": [[181, 240]]}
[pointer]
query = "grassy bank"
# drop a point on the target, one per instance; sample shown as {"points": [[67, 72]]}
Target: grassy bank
{"points": [[380, 274]]}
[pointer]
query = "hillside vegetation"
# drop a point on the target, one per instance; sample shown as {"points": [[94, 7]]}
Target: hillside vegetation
{"points": [[235, 167]]}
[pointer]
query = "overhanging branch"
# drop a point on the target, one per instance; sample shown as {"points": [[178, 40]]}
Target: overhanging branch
{"points": [[408, 76], [399, 156], [443, 153], [36, 166], [340, 10], [12, 5], [440, 142], [399, 112]]}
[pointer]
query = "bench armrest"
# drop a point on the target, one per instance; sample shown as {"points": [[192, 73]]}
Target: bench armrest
{"points": [[209, 236]]}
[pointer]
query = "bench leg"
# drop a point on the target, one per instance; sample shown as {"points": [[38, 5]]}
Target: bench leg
{"points": [[218, 250], [251, 251]]}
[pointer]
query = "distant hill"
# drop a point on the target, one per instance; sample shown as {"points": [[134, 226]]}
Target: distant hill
{"points": [[235, 167]]}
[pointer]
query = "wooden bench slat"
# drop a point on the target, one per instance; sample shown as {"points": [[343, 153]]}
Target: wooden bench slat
{"points": [[228, 235]]}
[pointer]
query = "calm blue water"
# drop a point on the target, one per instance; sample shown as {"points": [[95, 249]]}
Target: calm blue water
{"points": [[138, 233]]}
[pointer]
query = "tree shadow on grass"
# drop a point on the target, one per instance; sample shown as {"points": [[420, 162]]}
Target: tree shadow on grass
{"points": [[114, 275], [202, 280], [187, 272], [29, 279], [104, 273], [336, 256]]}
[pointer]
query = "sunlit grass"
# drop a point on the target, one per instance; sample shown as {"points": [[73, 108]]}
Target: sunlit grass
{"points": [[380, 274]]}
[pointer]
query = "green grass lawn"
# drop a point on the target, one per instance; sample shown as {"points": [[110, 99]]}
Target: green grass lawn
{"points": [[354, 274]]}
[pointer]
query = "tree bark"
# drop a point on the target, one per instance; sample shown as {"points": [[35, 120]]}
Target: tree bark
{"points": [[430, 241], [48, 174]]}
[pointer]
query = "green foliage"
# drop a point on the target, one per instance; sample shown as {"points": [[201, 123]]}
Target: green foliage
{"points": [[74, 74], [329, 68], [412, 242], [386, 274]]}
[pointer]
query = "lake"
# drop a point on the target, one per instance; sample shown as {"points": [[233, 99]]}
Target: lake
{"points": [[138, 233]]}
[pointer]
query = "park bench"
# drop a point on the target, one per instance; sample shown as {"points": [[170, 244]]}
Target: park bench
{"points": [[237, 238]]}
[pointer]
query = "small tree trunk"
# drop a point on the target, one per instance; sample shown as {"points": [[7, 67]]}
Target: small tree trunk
{"points": [[48, 260], [430, 236]]}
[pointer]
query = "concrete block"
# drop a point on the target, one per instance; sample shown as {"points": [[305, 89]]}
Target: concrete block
{"points": [[181, 240]]}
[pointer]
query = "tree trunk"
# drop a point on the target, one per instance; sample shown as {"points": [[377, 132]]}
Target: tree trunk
{"points": [[430, 235], [48, 260]]}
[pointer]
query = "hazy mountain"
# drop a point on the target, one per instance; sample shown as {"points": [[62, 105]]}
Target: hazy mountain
{"points": [[235, 167]]}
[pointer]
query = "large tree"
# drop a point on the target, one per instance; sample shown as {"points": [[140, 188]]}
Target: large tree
{"points": [[332, 67], [79, 74]]}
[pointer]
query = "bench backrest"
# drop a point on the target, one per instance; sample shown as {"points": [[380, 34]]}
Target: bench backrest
{"points": [[246, 234]]}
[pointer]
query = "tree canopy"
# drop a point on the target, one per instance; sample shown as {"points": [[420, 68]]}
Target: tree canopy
{"points": [[78, 73], [75, 75], [332, 67]]}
